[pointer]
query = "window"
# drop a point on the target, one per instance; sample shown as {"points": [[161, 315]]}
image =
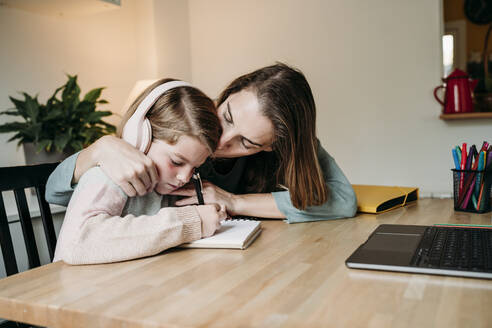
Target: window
{"points": [[448, 53], [454, 46]]}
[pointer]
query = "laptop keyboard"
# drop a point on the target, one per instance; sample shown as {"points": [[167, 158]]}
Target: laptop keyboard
{"points": [[465, 249]]}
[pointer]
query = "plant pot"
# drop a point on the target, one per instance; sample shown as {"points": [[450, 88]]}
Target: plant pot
{"points": [[482, 102], [34, 157]]}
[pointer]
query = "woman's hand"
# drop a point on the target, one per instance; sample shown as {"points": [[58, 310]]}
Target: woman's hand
{"points": [[128, 167], [211, 194], [211, 215]]}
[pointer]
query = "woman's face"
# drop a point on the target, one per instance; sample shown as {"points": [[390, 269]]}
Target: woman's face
{"points": [[175, 163], [245, 130]]}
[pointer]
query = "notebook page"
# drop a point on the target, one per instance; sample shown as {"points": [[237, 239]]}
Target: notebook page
{"points": [[232, 234]]}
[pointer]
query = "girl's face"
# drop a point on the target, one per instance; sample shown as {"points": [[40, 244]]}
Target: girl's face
{"points": [[245, 130], [175, 163]]}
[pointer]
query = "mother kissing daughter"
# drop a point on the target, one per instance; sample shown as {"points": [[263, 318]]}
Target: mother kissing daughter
{"points": [[268, 163]]}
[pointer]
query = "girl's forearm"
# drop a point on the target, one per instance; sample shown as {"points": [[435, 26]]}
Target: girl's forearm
{"points": [[259, 205]]}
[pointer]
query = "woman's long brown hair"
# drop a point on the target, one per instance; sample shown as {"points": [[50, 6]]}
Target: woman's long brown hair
{"points": [[286, 99]]}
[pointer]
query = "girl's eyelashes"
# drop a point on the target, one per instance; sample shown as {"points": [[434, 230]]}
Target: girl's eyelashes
{"points": [[176, 163]]}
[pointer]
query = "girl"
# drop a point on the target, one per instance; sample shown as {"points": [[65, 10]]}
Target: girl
{"points": [[269, 161], [176, 126]]}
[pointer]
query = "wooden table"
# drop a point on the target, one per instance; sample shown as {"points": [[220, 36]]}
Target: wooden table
{"points": [[291, 276]]}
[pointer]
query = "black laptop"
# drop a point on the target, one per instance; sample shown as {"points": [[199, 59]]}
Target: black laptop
{"points": [[441, 250]]}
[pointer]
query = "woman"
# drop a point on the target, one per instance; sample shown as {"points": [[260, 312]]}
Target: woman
{"points": [[269, 162]]}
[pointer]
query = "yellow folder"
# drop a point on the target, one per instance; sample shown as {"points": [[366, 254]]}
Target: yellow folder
{"points": [[378, 199]]}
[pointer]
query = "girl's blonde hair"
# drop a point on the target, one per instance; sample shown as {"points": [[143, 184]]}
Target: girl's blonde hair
{"points": [[179, 111]]}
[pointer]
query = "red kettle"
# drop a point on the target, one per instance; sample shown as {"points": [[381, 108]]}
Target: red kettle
{"points": [[458, 95]]}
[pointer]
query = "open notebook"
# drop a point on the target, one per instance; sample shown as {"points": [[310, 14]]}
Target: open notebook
{"points": [[237, 234]]}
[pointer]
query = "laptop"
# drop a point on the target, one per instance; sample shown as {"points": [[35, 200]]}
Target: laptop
{"points": [[441, 250]]}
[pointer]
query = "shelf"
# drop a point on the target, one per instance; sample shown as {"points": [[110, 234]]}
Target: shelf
{"points": [[466, 116]]}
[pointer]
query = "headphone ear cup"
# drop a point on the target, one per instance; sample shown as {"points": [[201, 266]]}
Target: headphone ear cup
{"points": [[146, 135], [137, 130]]}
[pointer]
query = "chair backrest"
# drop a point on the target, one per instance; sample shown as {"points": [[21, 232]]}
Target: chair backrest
{"points": [[16, 179]]}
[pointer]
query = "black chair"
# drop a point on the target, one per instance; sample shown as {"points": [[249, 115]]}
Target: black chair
{"points": [[16, 179]]}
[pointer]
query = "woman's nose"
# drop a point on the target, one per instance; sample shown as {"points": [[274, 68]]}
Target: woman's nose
{"points": [[225, 140]]}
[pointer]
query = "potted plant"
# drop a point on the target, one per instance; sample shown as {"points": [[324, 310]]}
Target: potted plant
{"points": [[64, 125]]}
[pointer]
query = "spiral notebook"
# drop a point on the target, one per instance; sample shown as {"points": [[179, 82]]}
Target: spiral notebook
{"points": [[237, 234]]}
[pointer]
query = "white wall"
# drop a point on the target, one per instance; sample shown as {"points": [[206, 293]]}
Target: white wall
{"points": [[372, 66], [110, 48], [172, 29], [39, 49]]}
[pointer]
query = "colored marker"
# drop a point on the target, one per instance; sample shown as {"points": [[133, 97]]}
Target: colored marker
{"points": [[463, 166], [458, 152], [456, 160]]}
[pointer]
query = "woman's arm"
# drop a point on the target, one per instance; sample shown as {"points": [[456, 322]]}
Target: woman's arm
{"points": [[341, 203], [59, 187], [129, 168], [94, 231], [259, 205]]}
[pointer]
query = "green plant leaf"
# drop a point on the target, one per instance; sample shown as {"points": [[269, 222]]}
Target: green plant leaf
{"points": [[56, 112], [13, 127], [16, 136], [69, 88], [76, 145], [95, 117], [33, 131], [108, 128], [61, 141], [64, 121], [19, 105], [43, 144], [32, 107], [70, 94], [92, 95], [85, 108], [12, 112], [53, 96]]}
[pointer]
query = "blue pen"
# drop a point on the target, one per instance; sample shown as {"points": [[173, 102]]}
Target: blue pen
{"points": [[458, 152], [479, 168], [456, 159]]}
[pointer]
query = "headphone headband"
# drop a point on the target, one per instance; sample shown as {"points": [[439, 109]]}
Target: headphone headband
{"points": [[137, 130]]}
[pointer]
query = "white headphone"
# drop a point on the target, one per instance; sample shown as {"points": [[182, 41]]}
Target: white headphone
{"points": [[137, 130]]}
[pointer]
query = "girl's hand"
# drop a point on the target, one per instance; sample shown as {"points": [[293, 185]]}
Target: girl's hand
{"points": [[211, 215], [128, 167], [211, 194]]}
